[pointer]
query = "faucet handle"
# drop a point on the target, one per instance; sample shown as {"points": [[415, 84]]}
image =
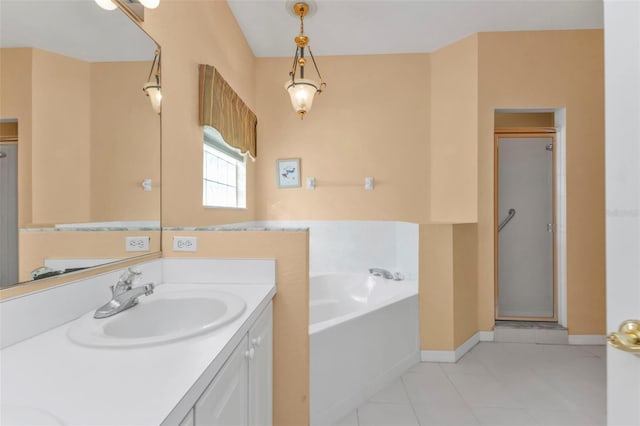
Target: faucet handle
{"points": [[149, 289], [130, 275]]}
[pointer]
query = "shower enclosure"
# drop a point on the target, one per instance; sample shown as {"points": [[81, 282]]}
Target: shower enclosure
{"points": [[525, 227], [8, 213]]}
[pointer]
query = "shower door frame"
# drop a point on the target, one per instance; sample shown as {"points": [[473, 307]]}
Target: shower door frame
{"points": [[524, 132]]}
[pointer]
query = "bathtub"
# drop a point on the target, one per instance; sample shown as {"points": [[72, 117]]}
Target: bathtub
{"points": [[363, 333]]}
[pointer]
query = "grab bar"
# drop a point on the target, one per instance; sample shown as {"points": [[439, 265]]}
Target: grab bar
{"points": [[512, 213]]}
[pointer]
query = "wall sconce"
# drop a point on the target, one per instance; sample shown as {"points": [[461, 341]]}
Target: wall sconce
{"points": [[107, 4], [152, 87], [134, 9], [302, 90]]}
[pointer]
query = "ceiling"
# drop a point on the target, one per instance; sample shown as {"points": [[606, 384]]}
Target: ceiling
{"points": [[76, 28], [80, 29], [358, 27]]}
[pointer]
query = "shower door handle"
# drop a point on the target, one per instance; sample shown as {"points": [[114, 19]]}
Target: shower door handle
{"points": [[3, 154], [512, 213]]}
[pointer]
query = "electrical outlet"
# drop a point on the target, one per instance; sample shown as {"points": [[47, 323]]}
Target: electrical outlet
{"points": [[185, 243], [137, 243]]}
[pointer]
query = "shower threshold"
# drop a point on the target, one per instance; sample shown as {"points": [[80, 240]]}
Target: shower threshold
{"points": [[530, 324], [547, 333]]}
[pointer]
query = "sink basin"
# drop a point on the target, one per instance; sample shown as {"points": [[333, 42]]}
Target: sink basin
{"points": [[165, 316]]}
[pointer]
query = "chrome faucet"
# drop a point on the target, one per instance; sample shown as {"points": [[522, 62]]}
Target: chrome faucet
{"points": [[124, 295], [379, 272]]}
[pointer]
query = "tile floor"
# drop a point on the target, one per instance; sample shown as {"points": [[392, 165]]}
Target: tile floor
{"points": [[511, 384]]}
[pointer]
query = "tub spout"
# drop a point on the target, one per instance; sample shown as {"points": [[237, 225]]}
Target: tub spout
{"points": [[379, 272], [387, 275]]}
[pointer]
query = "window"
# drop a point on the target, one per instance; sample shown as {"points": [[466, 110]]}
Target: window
{"points": [[224, 173]]}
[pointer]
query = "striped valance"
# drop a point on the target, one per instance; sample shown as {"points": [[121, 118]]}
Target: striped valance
{"points": [[222, 109]]}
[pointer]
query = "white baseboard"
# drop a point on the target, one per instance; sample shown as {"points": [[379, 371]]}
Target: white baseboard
{"points": [[486, 336], [454, 356], [437, 356], [587, 339]]}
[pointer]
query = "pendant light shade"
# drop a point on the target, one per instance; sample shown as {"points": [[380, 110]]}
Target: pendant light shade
{"points": [[302, 90], [107, 4], [152, 87], [155, 95]]}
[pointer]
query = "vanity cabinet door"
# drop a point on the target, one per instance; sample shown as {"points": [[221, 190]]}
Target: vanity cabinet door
{"points": [[261, 370], [225, 401]]}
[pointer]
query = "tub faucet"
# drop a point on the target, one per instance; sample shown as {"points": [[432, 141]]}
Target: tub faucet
{"points": [[379, 272], [124, 295]]}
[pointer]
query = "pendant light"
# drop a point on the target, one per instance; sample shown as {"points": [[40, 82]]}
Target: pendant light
{"points": [[152, 87], [302, 90]]}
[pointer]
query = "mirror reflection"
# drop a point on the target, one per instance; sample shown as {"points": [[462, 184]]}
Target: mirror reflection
{"points": [[79, 140]]}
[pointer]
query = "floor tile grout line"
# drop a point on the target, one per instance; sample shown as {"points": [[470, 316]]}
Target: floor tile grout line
{"points": [[532, 368], [469, 407], [413, 409]]}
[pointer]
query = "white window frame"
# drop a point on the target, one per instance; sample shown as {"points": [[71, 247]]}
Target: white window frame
{"points": [[214, 145]]}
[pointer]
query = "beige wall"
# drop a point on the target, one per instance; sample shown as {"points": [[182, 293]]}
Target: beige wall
{"points": [[465, 282], [524, 119], [125, 144], [85, 144], [448, 290], [372, 120], [15, 102], [192, 33], [61, 132], [550, 69], [436, 287], [35, 247], [8, 132], [290, 307], [454, 138]]}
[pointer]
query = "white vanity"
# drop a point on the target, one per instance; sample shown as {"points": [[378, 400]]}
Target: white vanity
{"points": [[220, 376]]}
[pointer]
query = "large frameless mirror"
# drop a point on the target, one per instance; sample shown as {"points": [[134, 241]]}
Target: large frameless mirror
{"points": [[80, 143]]}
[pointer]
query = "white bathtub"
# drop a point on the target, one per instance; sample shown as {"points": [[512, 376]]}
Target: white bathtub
{"points": [[363, 334]]}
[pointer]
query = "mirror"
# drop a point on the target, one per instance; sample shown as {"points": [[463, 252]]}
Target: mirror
{"points": [[87, 150]]}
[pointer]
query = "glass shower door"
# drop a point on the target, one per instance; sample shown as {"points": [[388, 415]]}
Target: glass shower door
{"points": [[526, 288]]}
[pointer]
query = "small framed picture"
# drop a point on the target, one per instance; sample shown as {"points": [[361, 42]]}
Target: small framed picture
{"points": [[288, 172]]}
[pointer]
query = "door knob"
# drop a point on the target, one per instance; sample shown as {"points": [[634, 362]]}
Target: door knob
{"points": [[627, 338]]}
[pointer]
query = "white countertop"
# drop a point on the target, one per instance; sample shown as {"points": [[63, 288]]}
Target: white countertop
{"points": [[132, 386]]}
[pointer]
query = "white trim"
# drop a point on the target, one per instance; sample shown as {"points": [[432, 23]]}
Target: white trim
{"points": [[453, 356], [437, 356], [561, 213], [587, 339], [486, 336]]}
